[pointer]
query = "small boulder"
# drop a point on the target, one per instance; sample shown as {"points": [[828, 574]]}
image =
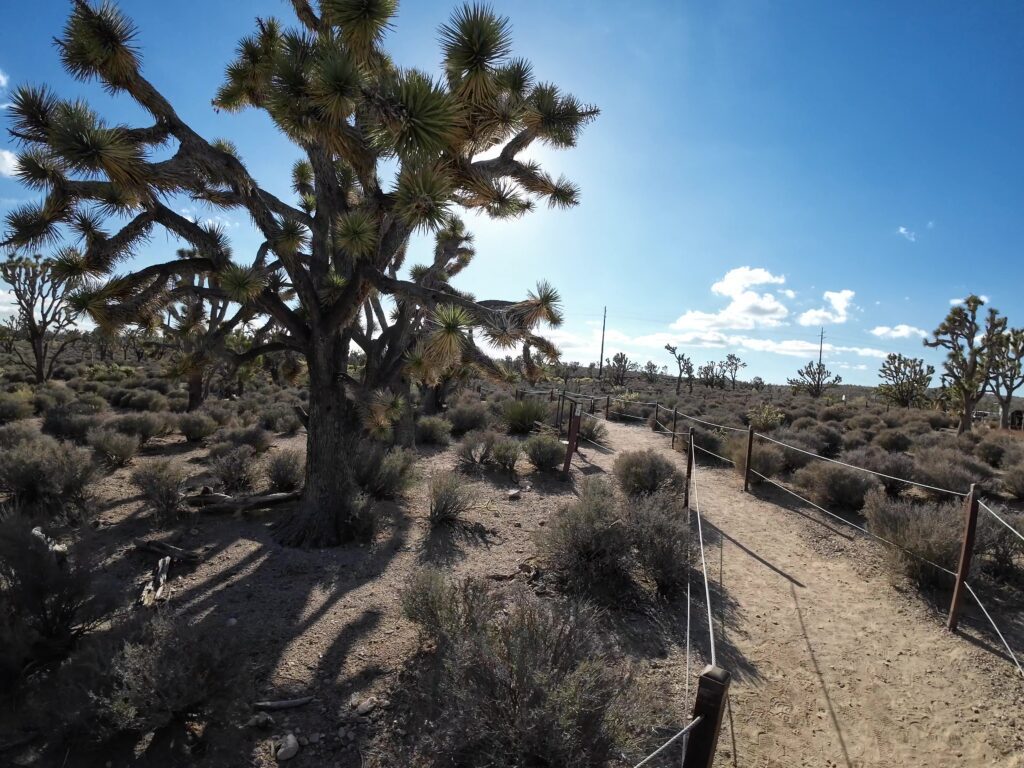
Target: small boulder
{"points": [[288, 748], [366, 706]]}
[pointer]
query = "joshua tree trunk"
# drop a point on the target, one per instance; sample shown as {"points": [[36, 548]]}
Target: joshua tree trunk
{"points": [[1004, 414], [328, 514], [39, 359], [966, 417], [196, 390]]}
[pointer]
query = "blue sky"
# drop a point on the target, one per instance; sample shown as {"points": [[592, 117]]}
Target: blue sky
{"points": [[759, 170]]}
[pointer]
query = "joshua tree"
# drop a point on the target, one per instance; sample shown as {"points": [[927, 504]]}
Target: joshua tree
{"points": [[708, 375], [651, 371], [1007, 371], [619, 366], [10, 332], [567, 371], [757, 383], [685, 367], [814, 379], [970, 354], [905, 380], [356, 120], [45, 317], [733, 364]]}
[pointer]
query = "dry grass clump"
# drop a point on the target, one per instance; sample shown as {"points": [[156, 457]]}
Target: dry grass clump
{"points": [[506, 451], [433, 430], [45, 477], [765, 458], [450, 499], [383, 473], [15, 406], [645, 471], [570, 705], [286, 470], [522, 416], [949, 468], [234, 466], [545, 452], [196, 426], [115, 448], [162, 484], [467, 417], [476, 450], [835, 486], [928, 530], [660, 536]]}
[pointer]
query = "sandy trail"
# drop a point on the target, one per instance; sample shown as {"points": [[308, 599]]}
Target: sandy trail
{"points": [[832, 665]]}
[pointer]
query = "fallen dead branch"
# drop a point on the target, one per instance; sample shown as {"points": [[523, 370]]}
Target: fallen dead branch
{"points": [[218, 503], [283, 703], [162, 548]]}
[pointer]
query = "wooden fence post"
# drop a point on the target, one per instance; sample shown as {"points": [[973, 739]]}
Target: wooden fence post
{"points": [[674, 417], [655, 417], [750, 451], [689, 468], [592, 405], [574, 430], [712, 688], [966, 551], [607, 406], [558, 416]]}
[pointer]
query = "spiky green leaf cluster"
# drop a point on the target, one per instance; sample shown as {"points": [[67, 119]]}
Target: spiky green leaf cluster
{"points": [[98, 42]]}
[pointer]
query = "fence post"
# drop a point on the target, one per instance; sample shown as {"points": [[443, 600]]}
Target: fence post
{"points": [[674, 416], [558, 416], [750, 451], [607, 406], [689, 467], [655, 417], [574, 426], [712, 688], [551, 396], [966, 551], [591, 405]]}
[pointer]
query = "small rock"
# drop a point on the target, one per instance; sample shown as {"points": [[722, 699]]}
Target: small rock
{"points": [[514, 494], [260, 720], [288, 748], [232, 621], [366, 706], [303, 741], [314, 738], [342, 733]]}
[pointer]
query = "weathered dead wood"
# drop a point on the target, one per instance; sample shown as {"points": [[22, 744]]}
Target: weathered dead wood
{"points": [[283, 703], [156, 588], [162, 548], [229, 505]]}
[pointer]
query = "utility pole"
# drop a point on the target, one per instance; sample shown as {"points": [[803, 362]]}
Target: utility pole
{"points": [[600, 361], [821, 345]]}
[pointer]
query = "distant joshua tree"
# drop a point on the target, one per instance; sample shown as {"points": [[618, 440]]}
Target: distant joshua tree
{"points": [[1007, 371], [814, 379], [905, 380], [619, 366], [685, 367], [650, 371], [733, 364]]}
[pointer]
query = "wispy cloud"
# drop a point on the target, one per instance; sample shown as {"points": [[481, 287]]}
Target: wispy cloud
{"points": [[901, 331], [747, 309], [837, 311], [8, 306], [8, 163], [907, 234], [4, 80]]}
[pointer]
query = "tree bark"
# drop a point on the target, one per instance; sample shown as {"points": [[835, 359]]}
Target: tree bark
{"points": [[196, 391], [328, 514], [1004, 414]]}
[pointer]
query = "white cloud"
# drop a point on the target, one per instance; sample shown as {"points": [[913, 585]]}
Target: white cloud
{"points": [[901, 331], [788, 293], [907, 234], [4, 80], [747, 309], [958, 302], [8, 306], [8, 162], [837, 311], [930, 225]]}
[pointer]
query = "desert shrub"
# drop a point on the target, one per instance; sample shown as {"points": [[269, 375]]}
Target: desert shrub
{"points": [[446, 609], [196, 426], [937, 420], [17, 432], [382, 473], [162, 485], [145, 426], [46, 603], [1013, 478], [222, 414], [450, 499], [893, 464], [145, 400], [1001, 547], [521, 416], [280, 418], [476, 450], [765, 417], [47, 477], [829, 438], [949, 468], [579, 713], [15, 406], [855, 438], [766, 458], [506, 452], [145, 675], [234, 466], [286, 470], [545, 452], [41, 403], [467, 417], [658, 531], [893, 440], [804, 440], [585, 541], [928, 530], [645, 471], [712, 440], [593, 430], [991, 449], [833, 485], [256, 437], [832, 413], [865, 421], [803, 422], [115, 448], [433, 430], [72, 421]]}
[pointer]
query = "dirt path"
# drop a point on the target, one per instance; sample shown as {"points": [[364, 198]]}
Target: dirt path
{"points": [[833, 666]]}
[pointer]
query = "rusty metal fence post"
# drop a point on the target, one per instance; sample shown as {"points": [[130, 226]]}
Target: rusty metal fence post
{"points": [[966, 552]]}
